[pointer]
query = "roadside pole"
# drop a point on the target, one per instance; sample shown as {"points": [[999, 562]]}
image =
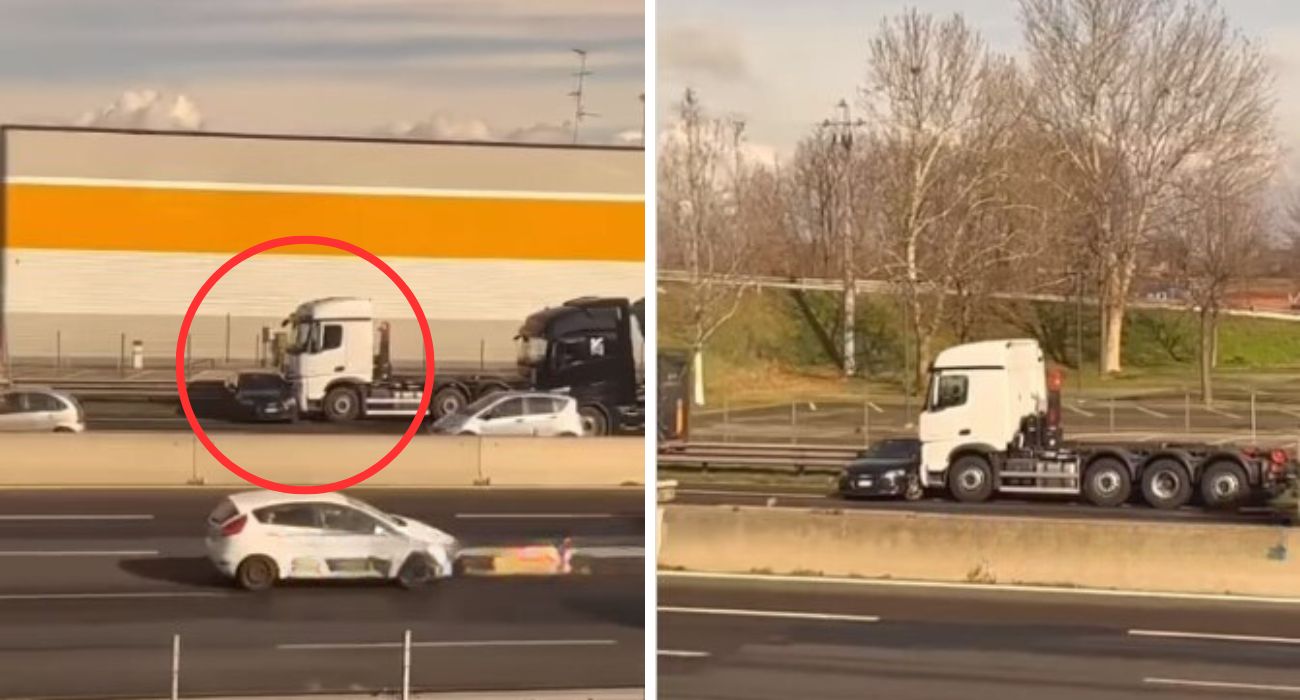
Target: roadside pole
{"points": [[176, 666]]}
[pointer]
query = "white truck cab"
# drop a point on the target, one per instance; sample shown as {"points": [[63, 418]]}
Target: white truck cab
{"points": [[331, 344], [979, 395]]}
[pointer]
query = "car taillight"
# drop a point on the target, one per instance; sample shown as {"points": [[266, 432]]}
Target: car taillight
{"points": [[234, 527]]}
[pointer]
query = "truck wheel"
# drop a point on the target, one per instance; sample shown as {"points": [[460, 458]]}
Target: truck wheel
{"points": [[256, 573], [1107, 483], [1166, 485], [1224, 486], [594, 421], [447, 401], [970, 479], [342, 404]]}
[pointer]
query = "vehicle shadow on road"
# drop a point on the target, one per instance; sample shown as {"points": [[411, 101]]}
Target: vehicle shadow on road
{"points": [[185, 571]]}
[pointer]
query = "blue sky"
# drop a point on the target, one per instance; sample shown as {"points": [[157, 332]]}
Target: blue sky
{"points": [[783, 65], [326, 66]]}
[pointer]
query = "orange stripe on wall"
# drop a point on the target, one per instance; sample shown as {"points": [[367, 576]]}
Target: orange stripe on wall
{"points": [[115, 218]]}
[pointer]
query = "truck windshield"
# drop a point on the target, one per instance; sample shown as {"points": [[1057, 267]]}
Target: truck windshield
{"points": [[300, 336], [532, 351]]}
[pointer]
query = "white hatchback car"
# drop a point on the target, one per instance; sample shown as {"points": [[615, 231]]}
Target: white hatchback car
{"points": [[515, 413], [259, 538], [38, 410]]}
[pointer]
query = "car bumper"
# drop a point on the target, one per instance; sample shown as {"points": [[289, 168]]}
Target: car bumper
{"points": [[222, 558], [872, 485]]}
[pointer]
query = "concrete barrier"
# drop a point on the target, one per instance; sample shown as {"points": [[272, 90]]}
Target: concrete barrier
{"points": [[1105, 554], [176, 459]]}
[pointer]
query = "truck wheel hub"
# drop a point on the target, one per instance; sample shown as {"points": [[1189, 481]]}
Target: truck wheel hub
{"points": [[1107, 482], [1225, 485], [972, 479], [1164, 485]]}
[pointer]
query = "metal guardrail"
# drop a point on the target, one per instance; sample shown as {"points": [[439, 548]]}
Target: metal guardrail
{"points": [[799, 459]]}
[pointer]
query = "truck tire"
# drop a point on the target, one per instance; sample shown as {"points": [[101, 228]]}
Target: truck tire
{"points": [[1166, 485], [970, 479], [1106, 483], [1224, 486], [342, 404], [594, 421], [447, 401]]}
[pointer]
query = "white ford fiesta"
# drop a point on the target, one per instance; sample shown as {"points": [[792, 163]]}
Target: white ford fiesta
{"points": [[259, 538]]}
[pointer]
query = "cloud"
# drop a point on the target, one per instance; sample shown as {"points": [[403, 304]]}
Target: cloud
{"points": [[697, 52], [458, 127], [146, 109]]}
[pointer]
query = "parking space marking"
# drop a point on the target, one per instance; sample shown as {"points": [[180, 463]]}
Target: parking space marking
{"points": [[39, 517], [683, 654], [776, 614], [467, 644], [1149, 412], [80, 553]]}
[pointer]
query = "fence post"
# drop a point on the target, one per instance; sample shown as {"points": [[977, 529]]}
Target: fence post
{"points": [[726, 419], [1112, 415], [482, 355], [58, 349], [227, 338], [794, 422], [176, 666], [1252, 416], [1187, 413], [866, 422], [121, 355], [406, 666]]}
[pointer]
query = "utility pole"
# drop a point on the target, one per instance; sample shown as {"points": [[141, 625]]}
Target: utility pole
{"points": [[579, 110], [841, 132], [642, 98]]}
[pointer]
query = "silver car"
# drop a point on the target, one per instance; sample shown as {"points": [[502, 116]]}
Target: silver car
{"points": [[37, 410]]}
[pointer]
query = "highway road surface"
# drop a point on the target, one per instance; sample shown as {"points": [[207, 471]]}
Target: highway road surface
{"points": [[722, 638], [95, 583]]}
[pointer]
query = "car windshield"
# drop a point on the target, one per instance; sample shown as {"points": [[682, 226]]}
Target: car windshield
{"points": [[892, 448], [482, 403], [371, 510], [300, 336]]}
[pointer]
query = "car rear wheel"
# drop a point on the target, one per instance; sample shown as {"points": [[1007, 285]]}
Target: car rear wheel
{"points": [[417, 571], [256, 573]]}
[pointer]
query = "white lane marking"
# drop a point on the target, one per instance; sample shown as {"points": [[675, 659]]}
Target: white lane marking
{"points": [[874, 407], [111, 596], [324, 189], [536, 516], [24, 518], [1224, 413], [79, 553], [755, 494], [441, 645], [1079, 411], [997, 587], [778, 614], [1293, 414], [683, 654], [1149, 412], [1214, 637], [1222, 441], [1222, 685]]}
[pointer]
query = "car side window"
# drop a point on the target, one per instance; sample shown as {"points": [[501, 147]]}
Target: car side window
{"points": [[510, 408], [350, 520], [43, 402], [289, 515], [541, 405]]}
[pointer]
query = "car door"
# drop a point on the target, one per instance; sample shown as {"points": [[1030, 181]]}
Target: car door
{"points": [[506, 418], [542, 419], [11, 418], [44, 410], [291, 534], [358, 545]]}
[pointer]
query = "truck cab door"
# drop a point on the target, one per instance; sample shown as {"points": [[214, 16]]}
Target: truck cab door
{"points": [[326, 359], [945, 423]]}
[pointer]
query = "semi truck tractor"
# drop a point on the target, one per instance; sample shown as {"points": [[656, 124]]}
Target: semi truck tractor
{"points": [[340, 368], [992, 424]]}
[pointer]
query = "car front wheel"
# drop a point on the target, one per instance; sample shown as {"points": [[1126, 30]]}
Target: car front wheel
{"points": [[416, 572]]}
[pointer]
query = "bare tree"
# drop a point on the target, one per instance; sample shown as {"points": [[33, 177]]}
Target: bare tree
{"points": [[943, 118], [1135, 92], [701, 199]]}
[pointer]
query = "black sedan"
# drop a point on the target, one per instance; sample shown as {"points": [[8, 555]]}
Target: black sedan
{"points": [[887, 468], [244, 397]]}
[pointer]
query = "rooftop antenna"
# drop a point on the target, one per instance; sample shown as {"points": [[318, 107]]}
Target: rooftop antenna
{"points": [[579, 110]]}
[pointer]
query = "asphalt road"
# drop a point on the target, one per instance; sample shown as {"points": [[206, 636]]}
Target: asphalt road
{"points": [[95, 583], [722, 639], [696, 493]]}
